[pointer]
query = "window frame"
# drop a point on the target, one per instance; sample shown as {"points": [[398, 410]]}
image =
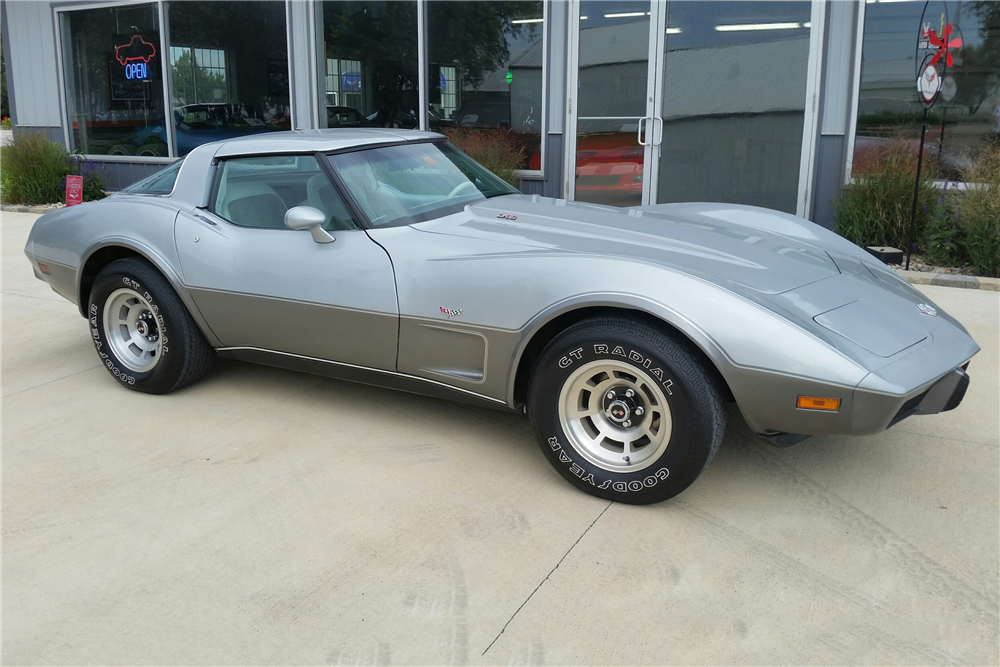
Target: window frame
{"points": [[60, 24], [61, 33], [218, 171]]}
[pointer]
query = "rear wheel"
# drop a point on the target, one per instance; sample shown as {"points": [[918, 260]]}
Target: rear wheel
{"points": [[142, 331], [624, 410]]}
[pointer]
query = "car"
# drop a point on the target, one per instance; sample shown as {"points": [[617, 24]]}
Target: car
{"points": [[137, 50], [340, 116], [389, 257]]}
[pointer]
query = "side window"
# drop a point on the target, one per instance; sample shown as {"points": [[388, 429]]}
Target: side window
{"points": [[160, 183], [257, 191]]}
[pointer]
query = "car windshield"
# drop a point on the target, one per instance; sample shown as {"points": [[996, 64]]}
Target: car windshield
{"points": [[409, 183]]}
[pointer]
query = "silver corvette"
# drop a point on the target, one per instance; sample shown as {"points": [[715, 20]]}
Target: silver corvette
{"points": [[391, 258]]}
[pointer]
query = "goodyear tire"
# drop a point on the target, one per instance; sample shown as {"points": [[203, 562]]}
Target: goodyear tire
{"points": [[625, 410], [143, 334]]}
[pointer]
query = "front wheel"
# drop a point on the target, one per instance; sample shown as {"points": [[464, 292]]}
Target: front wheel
{"points": [[144, 335], [624, 410]]}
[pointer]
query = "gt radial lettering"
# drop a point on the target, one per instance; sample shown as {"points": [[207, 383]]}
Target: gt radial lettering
{"points": [[450, 312]]}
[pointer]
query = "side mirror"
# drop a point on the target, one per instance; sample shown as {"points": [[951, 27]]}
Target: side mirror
{"points": [[307, 217]]}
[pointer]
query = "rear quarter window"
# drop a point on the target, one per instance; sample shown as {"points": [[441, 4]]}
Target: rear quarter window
{"points": [[160, 183]]}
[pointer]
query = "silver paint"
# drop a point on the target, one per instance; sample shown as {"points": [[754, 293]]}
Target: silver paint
{"points": [[780, 306]]}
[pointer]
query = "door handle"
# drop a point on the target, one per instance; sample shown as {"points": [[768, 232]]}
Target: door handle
{"points": [[657, 130], [639, 134]]}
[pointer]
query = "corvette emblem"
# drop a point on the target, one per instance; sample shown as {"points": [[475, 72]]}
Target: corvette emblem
{"points": [[927, 309], [507, 216], [450, 312]]}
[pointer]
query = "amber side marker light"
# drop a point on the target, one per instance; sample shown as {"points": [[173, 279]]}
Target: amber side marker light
{"points": [[817, 403], [44, 268]]}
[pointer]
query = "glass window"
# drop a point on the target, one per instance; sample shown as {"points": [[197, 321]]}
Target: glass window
{"points": [[613, 75], [160, 183], [371, 64], [965, 117], [114, 86], [257, 191], [228, 70], [485, 71], [734, 97], [414, 182]]}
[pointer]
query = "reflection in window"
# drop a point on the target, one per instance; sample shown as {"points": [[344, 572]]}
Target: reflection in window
{"points": [[614, 61], [113, 81], [734, 93], [966, 115], [485, 72], [198, 75], [225, 84], [371, 64]]}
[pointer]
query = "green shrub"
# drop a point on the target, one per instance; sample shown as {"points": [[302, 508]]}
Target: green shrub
{"points": [[980, 217], [498, 150], [944, 237], [33, 168], [875, 209], [5, 123], [33, 171]]}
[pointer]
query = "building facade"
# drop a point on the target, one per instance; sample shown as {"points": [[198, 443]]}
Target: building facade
{"points": [[622, 102]]}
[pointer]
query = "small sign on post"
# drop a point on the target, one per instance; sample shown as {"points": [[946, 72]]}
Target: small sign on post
{"points": [[74, 190]]}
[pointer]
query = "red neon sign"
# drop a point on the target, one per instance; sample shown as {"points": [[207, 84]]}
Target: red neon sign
{"points": [[143, 51]]}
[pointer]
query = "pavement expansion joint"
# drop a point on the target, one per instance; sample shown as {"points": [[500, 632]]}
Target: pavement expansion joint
{"points": [[547, 576]]}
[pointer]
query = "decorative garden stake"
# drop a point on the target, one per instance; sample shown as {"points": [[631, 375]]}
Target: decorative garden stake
{"points": [[930, 73]]}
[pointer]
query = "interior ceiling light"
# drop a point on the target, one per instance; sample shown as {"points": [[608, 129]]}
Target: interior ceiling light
{"points": [[625, 15], [673, 31], [758, 26], [531, 20]]}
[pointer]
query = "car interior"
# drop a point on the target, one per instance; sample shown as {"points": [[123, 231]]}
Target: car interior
{"points": [[257, 192]]}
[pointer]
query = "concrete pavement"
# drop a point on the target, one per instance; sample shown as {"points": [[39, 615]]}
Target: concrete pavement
{"points": [[265, 516]]}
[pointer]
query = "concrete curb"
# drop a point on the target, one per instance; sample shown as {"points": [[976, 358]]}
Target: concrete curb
{"points": [[15, 208], [949, 280]]}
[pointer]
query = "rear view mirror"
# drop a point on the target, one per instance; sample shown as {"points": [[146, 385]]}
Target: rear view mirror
{"points": [[307, 217]]}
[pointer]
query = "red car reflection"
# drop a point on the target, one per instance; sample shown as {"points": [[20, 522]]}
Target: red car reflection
{"points": [[609, 161]]}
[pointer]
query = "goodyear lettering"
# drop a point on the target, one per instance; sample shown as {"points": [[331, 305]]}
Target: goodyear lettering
{"points": [[621, 487]]}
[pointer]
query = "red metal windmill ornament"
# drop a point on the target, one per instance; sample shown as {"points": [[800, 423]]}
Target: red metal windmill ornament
{"points": [[944, 45]]}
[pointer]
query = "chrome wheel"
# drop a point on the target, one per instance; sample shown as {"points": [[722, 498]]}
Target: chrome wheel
{"points": [[132, 330], [615, 415]]}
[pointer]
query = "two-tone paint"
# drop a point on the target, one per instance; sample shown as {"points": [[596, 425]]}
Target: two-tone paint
{"points": [[462, 305]]}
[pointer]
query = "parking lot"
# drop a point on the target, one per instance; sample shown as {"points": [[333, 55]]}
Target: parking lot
{"points": [[264, 516]]}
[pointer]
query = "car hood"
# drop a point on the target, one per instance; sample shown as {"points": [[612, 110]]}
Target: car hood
{"points": [[773, 254]]}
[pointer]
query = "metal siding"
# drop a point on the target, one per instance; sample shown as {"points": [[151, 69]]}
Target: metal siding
{"points": [[838, 68], [835, 109], [304, 116], [123, 174], [553, 165], [32, 66], [556, 68], [830, 155], [531, 186]]}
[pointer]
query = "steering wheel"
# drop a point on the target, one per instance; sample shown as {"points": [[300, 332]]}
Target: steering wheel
{"points": [[462, 186]]}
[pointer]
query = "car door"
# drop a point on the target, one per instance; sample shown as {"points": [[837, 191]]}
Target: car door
{"points": [[259, 284]]}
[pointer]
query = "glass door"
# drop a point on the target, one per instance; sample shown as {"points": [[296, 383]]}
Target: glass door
{"points": [[686, 101], [613, 106], [731, 97]]}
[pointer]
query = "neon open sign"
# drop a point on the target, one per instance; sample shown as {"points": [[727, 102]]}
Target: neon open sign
{"points": [[136, 71]]}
